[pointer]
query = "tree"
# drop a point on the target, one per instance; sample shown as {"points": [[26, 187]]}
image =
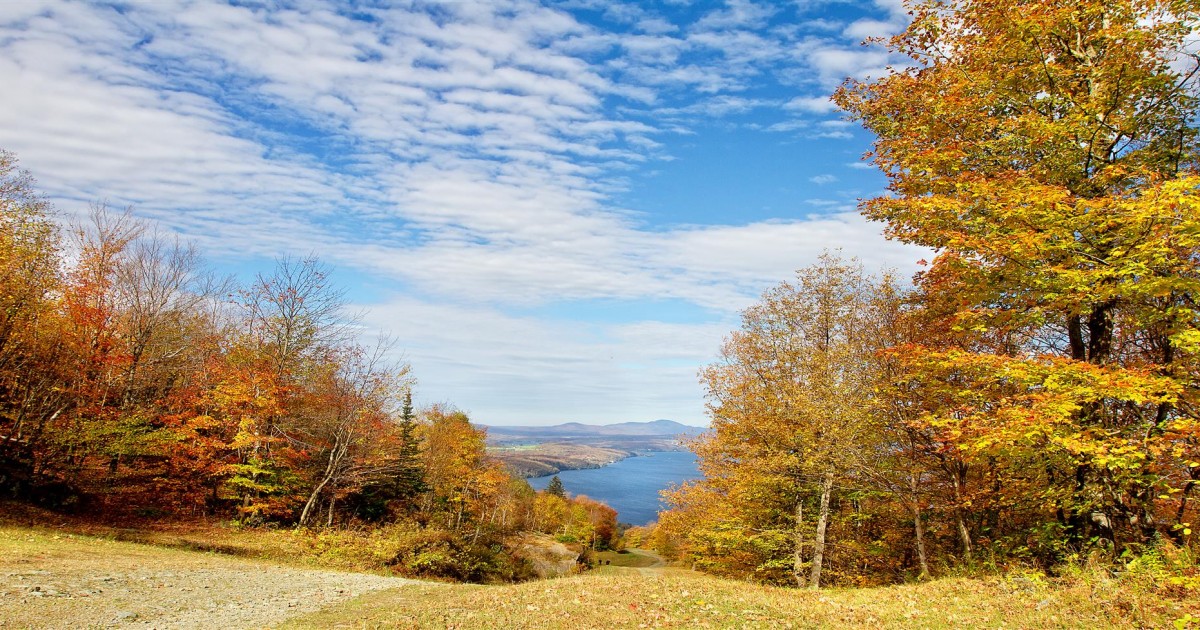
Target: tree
{"points": [[791, 402], [32, 365], [465, 485], [353, 433], [1047, 150], [555, 488], [293, 324]]}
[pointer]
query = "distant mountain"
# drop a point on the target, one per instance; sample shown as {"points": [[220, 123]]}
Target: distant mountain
{"points": [[656, 428]]}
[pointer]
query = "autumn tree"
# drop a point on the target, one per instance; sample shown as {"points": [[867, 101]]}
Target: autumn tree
{"points": [[549, 513], [398, 492], [465, 484], [32, 368], [1047, 152], [352, 434], [292, 321], [592, 523], [791, 403]]}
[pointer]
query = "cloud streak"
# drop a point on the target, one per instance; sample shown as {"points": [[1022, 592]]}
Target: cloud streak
{"points": [[465, 156]]}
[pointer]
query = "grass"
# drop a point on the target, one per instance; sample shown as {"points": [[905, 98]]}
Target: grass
{"points": [[680, 599], [632, 591], [633, 558], [363, 551]]}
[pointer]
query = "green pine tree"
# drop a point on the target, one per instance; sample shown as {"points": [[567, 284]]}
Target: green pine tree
{"points": [[556, 488], [410, 475]]}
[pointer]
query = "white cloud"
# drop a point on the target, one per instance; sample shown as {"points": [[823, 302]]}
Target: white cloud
{"points": [[469, 152], [786, 126], [823, 179], [866, 29], [518, 370], [834, 64], [737, 14], [811, 104]]}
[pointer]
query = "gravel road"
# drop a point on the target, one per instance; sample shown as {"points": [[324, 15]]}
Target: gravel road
{"points": [[90, 583]]}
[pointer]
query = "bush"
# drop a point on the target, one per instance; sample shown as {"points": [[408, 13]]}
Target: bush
{"points": [[440, 554]]}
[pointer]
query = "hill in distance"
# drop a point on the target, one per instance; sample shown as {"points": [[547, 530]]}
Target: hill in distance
{"points": [[656, 428], [539, 451]]}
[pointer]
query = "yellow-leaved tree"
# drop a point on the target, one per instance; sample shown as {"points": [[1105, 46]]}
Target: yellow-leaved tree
{"points": [[792, 408], [1047, 151]]}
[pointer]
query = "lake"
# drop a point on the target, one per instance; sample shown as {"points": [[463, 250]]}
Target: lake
{"points": [[630, 486]]}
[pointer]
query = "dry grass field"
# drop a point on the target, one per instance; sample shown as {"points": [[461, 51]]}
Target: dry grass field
{"points": [[671, 598], [57, 579]]}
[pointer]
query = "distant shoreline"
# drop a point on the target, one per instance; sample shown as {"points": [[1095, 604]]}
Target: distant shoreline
{"points": [[544, 459], [531, 452]]}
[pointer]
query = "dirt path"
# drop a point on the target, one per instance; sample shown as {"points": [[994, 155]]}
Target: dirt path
{"points": [[642, 561], [73, 582], [653, 569]]}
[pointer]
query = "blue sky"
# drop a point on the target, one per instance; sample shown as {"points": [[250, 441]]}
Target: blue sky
{"points": [[556, 209]]}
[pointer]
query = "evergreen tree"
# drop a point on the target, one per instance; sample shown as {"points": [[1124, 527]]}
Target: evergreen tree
{"points": [[556, 488], [410, 476]]}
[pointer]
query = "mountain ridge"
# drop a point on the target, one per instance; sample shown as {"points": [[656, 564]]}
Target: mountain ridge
{"points": [[658, 428]]}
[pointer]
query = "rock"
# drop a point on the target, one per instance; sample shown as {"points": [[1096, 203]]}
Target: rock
{"points": [[548, 557]]}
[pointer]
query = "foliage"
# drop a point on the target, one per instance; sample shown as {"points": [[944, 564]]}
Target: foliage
{"points": [[1048, 152], [795, 413], [133, 383], [1034, 398]]}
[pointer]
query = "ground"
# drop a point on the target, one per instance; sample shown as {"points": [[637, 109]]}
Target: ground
{"points": [[57, 579], [52, 580]]}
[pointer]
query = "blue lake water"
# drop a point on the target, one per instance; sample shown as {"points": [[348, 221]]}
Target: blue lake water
{"points": [[630, 486]]}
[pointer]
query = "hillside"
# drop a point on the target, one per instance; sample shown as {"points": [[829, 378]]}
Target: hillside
{"points": [[531, 451], [538, 460], [60, 580]]}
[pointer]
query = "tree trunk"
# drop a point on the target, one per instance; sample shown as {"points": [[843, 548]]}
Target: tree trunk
{"points": [[1075, 336], [964, 535], [798, 545], [814, 580], [1177, 534], [337, 453], [311, 504], [918, 526], [1100, 332]]}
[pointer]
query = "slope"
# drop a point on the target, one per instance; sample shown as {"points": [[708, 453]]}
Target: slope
{"points": [[58, 580]]}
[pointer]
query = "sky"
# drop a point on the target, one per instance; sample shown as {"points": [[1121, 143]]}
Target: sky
{"points": [[557, 210]]}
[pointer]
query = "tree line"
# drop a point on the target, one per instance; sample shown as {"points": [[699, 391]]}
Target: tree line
{"points": [[1032, 396], [134, 382]]}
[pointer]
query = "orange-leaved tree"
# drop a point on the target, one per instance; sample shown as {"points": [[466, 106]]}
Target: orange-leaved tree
{"points": [[33, 362]]}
